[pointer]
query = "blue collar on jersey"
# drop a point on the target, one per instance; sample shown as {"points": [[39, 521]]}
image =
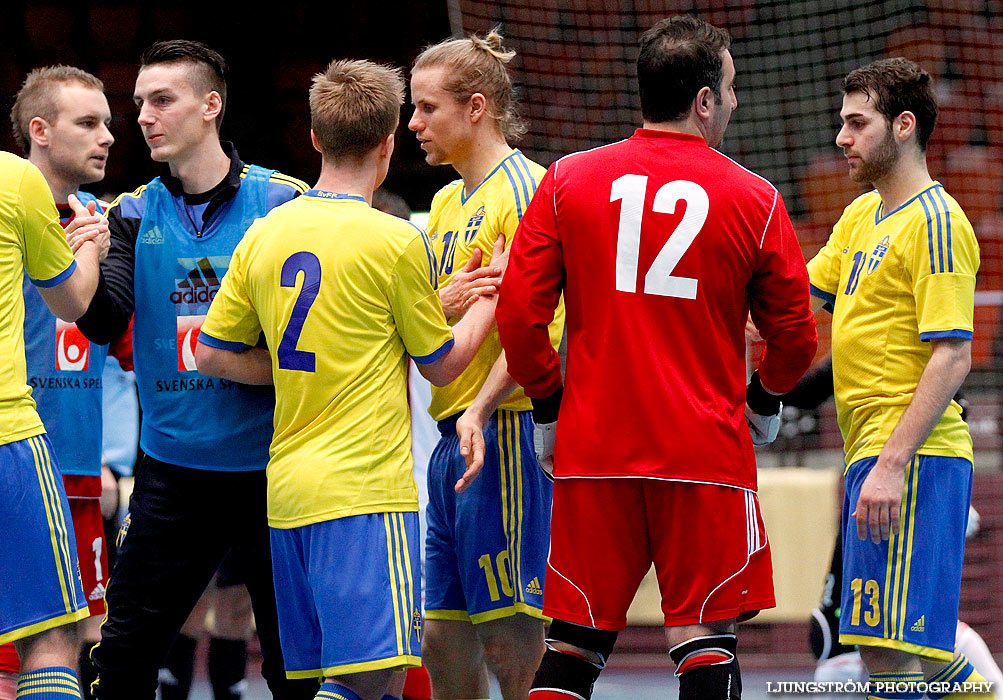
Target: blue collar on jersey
{"points": [[879, 217], [464, 197], [323, 194]]}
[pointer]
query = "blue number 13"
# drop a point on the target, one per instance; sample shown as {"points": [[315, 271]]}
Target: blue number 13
{"points": [[309, 265]]}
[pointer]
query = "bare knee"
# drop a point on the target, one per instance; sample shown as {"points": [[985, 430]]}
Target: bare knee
{"points": [[53, 647], [683, 633], [512, 644], [447, 644], [881, 659], [368, 685], [232, 613]]}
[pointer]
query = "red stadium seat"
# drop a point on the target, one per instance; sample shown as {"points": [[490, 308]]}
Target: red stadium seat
{"points": [[980, 56], [992, 111], [988, 290], [972, 175], [920, 43], [827, 188]]}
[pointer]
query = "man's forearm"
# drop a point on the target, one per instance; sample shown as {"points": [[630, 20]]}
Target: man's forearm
{"points": [[468, 335], [69, 299], [497, 387], [940, 381], [253, 366]]}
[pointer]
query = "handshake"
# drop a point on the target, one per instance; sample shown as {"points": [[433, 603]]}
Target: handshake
{"points": [[762, 412], [87, 225]]}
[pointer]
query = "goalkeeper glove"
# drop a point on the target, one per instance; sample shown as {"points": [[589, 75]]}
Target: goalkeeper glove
{"points": [[545, 433]]}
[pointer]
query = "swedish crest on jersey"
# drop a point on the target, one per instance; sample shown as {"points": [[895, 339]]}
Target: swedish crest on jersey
{"points": [[878, 255], [473, 224]]}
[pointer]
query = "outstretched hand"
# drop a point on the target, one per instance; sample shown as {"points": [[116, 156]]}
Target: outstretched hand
{"points": [[470, 430]]}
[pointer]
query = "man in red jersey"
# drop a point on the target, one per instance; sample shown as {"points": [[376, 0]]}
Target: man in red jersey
{"points": [[662, 246]]}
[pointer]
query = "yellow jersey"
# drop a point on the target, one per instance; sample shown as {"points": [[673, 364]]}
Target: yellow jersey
{"points": [[896, 280], [31, 240], [458, 223], [344, 294]]}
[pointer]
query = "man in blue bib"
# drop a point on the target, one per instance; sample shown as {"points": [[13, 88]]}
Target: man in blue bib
{"points": [[200, 489]]}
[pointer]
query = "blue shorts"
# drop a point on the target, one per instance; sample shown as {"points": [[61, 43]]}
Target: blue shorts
{"points": [[486, 552], [904, 593], [39, 574], [348, 594]]}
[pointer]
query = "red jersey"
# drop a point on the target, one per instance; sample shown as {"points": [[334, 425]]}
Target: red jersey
{"points": [[661, 245]]}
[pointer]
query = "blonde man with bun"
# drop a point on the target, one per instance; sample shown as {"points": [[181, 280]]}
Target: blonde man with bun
{"points": [[489, 500], [344, 295]]}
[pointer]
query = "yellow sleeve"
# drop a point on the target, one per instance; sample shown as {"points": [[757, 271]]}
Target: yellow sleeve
{"points": [[945, 259], [415, 304], [47, 256], [824, 268], [232, 322]]}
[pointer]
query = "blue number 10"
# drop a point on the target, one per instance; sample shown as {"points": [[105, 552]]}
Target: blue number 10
{"points": [[309, 265]]}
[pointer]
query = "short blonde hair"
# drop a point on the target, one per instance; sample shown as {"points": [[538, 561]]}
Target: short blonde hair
{"points": [[354, 105], [478, 64], [37, 98]]}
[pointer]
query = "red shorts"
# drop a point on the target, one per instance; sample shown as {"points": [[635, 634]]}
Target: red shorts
{"points": [[708, 544], [9, 663], [84, 494]]}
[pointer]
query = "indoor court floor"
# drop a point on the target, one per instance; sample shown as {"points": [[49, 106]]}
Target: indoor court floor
{"points": [[615, 684]]}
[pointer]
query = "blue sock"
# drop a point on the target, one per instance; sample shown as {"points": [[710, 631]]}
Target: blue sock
{"points": [[958, 671], [388, 696], [896, 685], [50, 683], [335, 691]]}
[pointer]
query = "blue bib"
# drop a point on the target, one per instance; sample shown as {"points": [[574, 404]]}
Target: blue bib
{"points": [[189, 419], [64, 373]]}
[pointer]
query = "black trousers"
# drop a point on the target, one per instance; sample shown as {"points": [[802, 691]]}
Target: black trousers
{"points": [[182, 522]]}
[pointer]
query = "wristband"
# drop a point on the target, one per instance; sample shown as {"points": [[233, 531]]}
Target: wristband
{"points": [[545, 410], [759, 399]]}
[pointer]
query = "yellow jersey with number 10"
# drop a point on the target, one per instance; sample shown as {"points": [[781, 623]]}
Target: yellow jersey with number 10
{"points": [[459, 223], [896, 280]]}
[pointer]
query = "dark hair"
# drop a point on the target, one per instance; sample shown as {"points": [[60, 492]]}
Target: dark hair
{"points": [[898, 85], [679, 56], [209, 68]]}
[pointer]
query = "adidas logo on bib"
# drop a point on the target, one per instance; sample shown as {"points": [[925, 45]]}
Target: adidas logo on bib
{"points": [[534, 587], [919, 625]]}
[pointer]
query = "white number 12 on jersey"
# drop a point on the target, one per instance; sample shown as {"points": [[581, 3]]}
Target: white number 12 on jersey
{"points": [[659, 279]]}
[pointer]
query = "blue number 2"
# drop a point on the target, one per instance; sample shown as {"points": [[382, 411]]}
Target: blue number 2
{"points": [[309, 265]]}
